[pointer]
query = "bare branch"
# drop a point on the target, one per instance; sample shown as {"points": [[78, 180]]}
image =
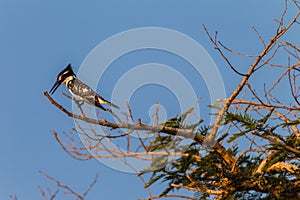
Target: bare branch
{"points": [[91, 185], [251, 70], [186, 133], [215, 192], [259, 36], [292, 83], [66, 187], [214, 41], [266, 161], [283, 166], [266, 125], [169, 196]]}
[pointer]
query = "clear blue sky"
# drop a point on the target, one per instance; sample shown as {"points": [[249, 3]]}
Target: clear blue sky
{"points": [[38, 38]]}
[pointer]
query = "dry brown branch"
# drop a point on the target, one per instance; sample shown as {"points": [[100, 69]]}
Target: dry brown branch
{"points": [[265, 161], [215, 43], [170, 196], [251, 70], [186, 133], [83, 156], [236, 52], [269, 107], [215, 192], [243, 154], [293, 87], [259, 36], [66, 187], [283, 166], [265, 106], [270, 145], [277, 141], [281, 76], [42, 193], [51, 196]]}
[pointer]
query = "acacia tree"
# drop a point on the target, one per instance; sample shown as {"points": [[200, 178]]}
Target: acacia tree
{"points": [[256, 154]]}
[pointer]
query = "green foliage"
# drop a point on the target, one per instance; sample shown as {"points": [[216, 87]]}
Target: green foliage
{"points": [[165, 142], [247, 122], [177, 121], [210, 169], [153, 179], [203, 130], [216, 107], [159, 163], [176, 171], [173, 122]]}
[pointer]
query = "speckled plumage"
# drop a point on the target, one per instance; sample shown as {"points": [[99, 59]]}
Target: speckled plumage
{"points": [[79, 89]]}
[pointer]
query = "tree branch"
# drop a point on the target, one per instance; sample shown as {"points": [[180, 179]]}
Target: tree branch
{"points": [[66, 187], [227, 158], [251, 70]]}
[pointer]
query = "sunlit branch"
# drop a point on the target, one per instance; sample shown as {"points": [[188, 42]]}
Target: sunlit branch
{"points": [[65, 187], [186, 133], [251, 70]]}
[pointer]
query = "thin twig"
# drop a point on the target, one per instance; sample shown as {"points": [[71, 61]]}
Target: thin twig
{"points": [[251, 70], [186, 133], [214, 41]]}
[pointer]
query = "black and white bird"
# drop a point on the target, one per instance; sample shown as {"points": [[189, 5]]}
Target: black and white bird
{"points": [[79, 89]]}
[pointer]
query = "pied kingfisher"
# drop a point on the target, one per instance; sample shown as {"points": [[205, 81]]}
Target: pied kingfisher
{"points": [[79, 89]]}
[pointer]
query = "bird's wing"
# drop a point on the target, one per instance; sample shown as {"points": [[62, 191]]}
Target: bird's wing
{"points": [[87, 94]]}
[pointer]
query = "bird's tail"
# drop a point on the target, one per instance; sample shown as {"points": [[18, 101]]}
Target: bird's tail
{"points": [[103, 101], [97, 104], [114, 105]]}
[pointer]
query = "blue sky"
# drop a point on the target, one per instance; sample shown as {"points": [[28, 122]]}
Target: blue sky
{"points": [[39, 38]]}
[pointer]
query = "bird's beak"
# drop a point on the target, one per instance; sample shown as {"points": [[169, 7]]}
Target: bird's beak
{"points": [[55, 86]]}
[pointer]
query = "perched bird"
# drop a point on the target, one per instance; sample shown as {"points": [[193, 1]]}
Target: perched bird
{"points": [[79, 89]]}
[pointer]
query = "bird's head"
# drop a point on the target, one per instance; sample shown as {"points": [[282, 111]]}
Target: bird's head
{"points": [[63, 77]]}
